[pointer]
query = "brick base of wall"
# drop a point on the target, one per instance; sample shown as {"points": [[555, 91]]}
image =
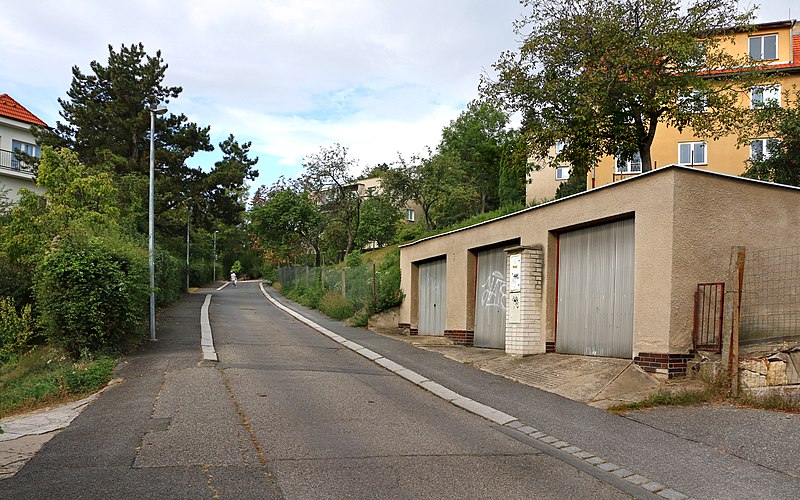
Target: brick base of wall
{"points": [[549, 347], [460, 337], [406, 327], [672, 365]]}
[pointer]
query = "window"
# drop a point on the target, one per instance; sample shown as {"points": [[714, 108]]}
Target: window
{"points": [[761, 149], [694, 102], [410, 215], [560, 145], [24, 147], [632, 165], [692, 153], [764, 47], [765, 94], [562, 173]]}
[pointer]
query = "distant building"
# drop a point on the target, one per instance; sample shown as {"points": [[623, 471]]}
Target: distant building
{"points": [[371, 186], [15, 135]]}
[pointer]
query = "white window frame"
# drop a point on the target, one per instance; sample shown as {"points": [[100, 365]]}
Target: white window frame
{"points": [[692, 153], [632, 166], [763, 147], [410, 215], [562, 173], [761, 95], [758, 53]]}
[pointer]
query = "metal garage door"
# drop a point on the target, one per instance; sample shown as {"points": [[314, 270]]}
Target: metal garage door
{"points": [[595, 290], [432, 276], [490, 299]]}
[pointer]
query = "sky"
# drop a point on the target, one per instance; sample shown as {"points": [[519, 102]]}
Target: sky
{"points": [[380, 77]]}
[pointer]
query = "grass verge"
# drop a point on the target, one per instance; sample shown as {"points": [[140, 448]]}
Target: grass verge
{"points": [[715, 392], [46, 376]]}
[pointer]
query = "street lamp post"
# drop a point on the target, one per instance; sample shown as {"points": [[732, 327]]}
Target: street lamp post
{"points": [[215, 257], [188, 221], [151, 247]]}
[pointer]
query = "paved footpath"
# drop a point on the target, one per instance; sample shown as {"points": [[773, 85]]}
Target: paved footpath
{"points": [[705, 452]]}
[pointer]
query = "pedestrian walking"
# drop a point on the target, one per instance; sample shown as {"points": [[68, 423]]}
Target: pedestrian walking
{"points": [[233, 278]]}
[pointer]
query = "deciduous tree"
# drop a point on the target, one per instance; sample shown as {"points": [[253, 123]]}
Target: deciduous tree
{"points": [[600, 76]]}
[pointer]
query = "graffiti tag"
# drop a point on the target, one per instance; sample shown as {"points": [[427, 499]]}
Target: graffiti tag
{"points": [[493, 292]]}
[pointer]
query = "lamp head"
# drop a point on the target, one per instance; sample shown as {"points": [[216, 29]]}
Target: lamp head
{"points": [[158, 110]]}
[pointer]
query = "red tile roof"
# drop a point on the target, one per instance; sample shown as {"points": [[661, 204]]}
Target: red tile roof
{"points": [[16, 111]]}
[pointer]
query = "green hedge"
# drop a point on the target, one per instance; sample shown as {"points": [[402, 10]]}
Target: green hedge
{"points": [[92, 290]]}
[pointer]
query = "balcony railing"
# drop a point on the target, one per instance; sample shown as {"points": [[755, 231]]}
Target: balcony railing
{"points": [[8, 161]]}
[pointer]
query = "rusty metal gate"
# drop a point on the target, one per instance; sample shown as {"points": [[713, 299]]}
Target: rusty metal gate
{"points": [[595, 290], [490, 299], [432, 294], [708, 310]]}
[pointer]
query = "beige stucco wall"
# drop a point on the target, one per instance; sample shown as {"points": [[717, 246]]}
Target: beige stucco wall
{"points": [[686, 222], [712, 215], [649, 199]]}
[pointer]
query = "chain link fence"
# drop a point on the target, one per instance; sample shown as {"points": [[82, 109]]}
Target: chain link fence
{"points": [[368, 287]]}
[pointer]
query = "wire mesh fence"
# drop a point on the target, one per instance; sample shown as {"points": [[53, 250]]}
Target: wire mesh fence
{"points": [[366, 286], [770, 310]]}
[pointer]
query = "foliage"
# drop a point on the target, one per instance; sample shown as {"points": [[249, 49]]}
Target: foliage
{"points": [[106, 123], [600, 76], [432, 181], [379, 218], [353, 259], [476, 139], [91, 290], [574, 185], [329, 181], [782, 124], [16, 329], [284, 220], [236, 267], [409, 232], [46, 376], [169, 276], [389, 294], [336, 306]]}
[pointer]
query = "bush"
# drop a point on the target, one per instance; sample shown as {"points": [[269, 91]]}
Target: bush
{"points": [[389, 294], [16, 330], [92, 291], [336, 306], [353, 259], [170, 274], [410, 232]]}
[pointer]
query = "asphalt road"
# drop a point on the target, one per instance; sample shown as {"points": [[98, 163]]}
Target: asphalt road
{"points": [[286, 413]]}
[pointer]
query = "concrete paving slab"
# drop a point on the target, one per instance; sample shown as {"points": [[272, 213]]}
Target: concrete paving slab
{"points": [[633, 384]]}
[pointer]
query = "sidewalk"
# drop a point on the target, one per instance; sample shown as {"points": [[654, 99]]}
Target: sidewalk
{"points": [[699, 452]]}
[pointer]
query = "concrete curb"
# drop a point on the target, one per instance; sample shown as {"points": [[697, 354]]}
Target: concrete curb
{"points": [[556, 445], [206, 338]]}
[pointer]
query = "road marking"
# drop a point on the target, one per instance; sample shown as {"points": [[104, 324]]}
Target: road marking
{"points": [[558, 445]]}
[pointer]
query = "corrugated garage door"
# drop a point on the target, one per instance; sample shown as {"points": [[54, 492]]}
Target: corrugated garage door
{"points": [[432, 278], [595, 290], [490, 299]]}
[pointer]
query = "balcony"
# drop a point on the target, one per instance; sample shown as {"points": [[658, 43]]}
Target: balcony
{"points": [[8, 161]]}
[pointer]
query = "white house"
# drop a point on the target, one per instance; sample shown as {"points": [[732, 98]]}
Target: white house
{"points": [[15, 134]]}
